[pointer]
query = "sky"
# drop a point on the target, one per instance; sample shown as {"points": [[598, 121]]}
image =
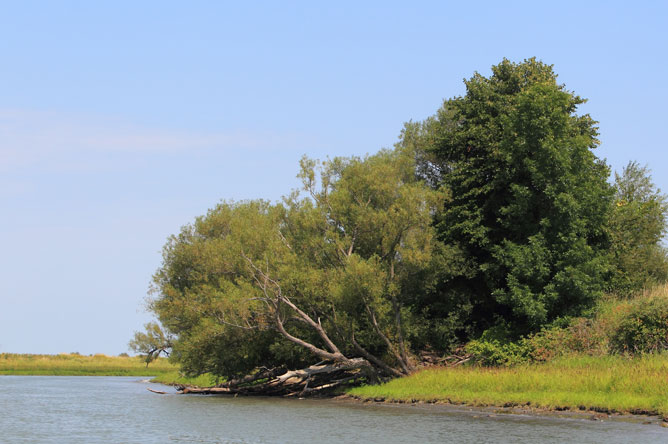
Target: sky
{"points": [[122, 121]]}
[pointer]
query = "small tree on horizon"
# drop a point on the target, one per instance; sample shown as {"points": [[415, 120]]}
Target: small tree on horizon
{"points": [[152, 342]]}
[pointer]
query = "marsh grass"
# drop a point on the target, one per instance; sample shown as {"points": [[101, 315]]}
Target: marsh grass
{"points": [[175, 378], [607, 384], [78, 365]]}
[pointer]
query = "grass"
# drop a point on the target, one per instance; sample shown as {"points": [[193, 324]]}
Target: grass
{"points": [[606, 384], [175, 378], [78, 365]]}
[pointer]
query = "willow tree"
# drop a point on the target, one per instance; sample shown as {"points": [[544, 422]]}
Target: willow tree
{"points": [[637, 229], [325, 276]]}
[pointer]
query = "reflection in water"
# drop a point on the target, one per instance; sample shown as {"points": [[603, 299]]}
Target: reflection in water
{"points": [[43, 409]]}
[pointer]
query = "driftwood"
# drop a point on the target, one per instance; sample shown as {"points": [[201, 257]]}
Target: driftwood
{"points": [[312, 380], [156, 391]]}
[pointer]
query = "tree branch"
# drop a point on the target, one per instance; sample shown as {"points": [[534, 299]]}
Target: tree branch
{"points": [[390, 346], [336, 357]]}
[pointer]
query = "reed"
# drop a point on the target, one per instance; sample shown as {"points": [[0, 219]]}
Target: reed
{"points": [[79, 365]]}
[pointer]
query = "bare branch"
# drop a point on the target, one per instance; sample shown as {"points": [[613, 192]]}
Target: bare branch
{"points": [[316, 326], [373, 358], [387, 341], [284, 240], [323, 354]]}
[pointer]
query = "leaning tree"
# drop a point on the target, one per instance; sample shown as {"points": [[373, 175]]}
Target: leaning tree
{"points": [[323, 282]]}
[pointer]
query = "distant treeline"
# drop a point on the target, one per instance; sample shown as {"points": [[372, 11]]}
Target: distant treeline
{"points": [[492, 220]]}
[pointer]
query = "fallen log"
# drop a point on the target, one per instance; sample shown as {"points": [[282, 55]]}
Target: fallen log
{"points": [[314, 379]]}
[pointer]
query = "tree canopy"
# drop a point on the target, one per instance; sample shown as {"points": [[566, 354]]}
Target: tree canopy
{"points": [[530, 200], [637, 226], [492, 217], [151, 343], [330, 275]]}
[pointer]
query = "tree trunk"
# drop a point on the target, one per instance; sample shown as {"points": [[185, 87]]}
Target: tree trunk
{"points": [[311, 380]]}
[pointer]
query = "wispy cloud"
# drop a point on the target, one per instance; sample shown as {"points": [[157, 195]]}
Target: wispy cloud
{"points": [[57, 140]]}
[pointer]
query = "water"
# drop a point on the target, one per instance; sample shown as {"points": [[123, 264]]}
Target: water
{"points": [[118, 410]]}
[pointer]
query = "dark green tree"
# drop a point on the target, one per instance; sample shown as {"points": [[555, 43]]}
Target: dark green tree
{"points": [[529, 199]]}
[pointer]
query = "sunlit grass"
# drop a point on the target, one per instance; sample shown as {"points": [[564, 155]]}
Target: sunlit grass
{"points": [[78, 365], [175, 378], [611, 383]]}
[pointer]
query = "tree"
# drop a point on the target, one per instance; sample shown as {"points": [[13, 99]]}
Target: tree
{"points": [[151, 343], [327, 277], [529, 199], [637, 227]]}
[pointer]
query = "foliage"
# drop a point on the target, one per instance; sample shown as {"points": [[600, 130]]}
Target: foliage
{"points": [[618, 326], [494, 353], [637, 227], [529, 199], [151, 343], [492, 219], [644, 328], [329, 276]]}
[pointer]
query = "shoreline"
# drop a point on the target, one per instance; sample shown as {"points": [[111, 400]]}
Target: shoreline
{"points": [[585, 386], [478, 410], [473, 410]]}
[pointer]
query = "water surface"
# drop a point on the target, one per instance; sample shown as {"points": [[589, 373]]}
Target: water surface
{"points": [[62, 409]]}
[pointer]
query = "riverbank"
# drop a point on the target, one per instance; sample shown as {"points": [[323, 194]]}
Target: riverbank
{"points": [[493, 411], [79, 365], [119, 410], [581, 385], [609, 385]]}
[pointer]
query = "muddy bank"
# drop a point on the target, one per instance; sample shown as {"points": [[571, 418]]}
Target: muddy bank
{"points": [[490, 411]]}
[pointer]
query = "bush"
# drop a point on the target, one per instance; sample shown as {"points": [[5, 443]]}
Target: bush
{"points": [[616, 326], [495, 353], [579, 336], [644, 329]]}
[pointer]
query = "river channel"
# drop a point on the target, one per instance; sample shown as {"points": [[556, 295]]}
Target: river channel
{"points": [[72, 410]]}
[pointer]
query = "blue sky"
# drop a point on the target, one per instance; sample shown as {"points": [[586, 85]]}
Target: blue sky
{"points": [[122, 121]]}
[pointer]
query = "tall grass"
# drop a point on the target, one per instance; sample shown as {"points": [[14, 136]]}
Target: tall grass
{"points": [[78, 365], [607, 383], [600, 363]]}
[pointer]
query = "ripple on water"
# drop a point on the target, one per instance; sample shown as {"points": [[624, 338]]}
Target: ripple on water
{"points": [[119, 410]]}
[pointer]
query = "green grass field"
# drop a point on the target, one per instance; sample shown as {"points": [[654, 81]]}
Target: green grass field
{"points": [[78, 365], [609, 384]]}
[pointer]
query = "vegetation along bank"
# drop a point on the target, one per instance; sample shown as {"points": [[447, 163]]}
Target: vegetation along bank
{"points": [[73, 364], [490, 236]]}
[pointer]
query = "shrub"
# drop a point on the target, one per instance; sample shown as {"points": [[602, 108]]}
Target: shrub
{"points": [[616, 326], [644, 329], [495, 353]]}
